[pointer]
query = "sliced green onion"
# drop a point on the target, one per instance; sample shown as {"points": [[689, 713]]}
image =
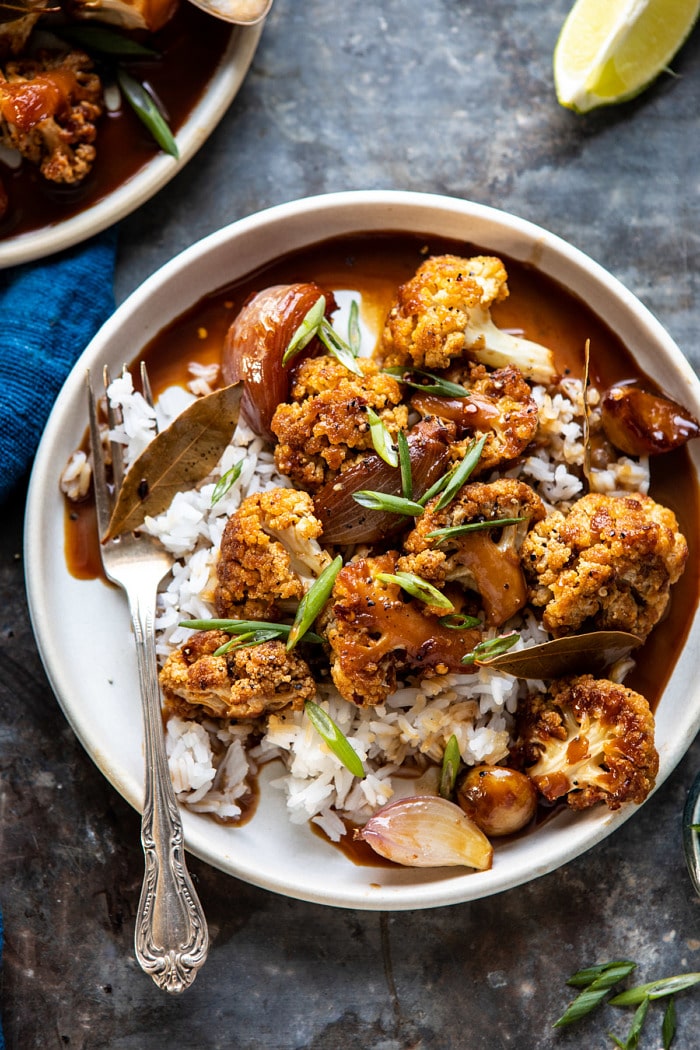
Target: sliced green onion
{"points": [[338, 348], [492, 647], [381, 439], [459, 621], [246, 640], [668, 1026], [336, 740], [462, 473], [106, 41], [245, 626], [595, 989], [386, 502], [354, 333], [450, 768], [632, 1040], [656, 989], [146, 109], [405, 465], [436, 487], [437, 385], [472, 526], [226, 482], [417, 588], [313, 601], [307, 329]]}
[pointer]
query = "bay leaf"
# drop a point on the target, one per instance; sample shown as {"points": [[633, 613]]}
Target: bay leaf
{"points": [[589, 653], [177, 458]]}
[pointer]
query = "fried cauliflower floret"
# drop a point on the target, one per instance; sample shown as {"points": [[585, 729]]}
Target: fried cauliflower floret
{"points": [[48, 110], [443, 314], [324, 427], [500, 407], [486, 560], [374, 631], [244, 683], [589, 739], [269, 554], [610, 562]]}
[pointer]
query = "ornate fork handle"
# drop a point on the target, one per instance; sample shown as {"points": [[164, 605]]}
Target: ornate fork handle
{"points": [[171, 938]]}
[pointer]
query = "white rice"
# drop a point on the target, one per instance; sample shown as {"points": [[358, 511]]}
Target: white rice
{"points": [[212, 763]]}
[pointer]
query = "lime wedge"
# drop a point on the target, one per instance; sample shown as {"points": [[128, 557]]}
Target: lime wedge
{"points": [[610, 50]]}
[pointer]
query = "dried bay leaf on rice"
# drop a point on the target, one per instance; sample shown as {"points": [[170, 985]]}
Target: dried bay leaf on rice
{"points": [[589, 653], [177, 458]]}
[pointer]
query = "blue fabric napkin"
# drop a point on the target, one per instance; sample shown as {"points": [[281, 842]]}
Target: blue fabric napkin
{"points": [[49, 312]]}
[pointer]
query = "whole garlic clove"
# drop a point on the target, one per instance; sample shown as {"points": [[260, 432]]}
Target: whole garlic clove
{"points": [[424, 831]]}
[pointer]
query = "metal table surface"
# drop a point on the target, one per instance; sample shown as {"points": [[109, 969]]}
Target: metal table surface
{"points": [[453, 97]]}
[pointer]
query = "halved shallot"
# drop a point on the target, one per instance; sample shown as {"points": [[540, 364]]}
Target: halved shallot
{"points": [[425, 831], [255, 345]]}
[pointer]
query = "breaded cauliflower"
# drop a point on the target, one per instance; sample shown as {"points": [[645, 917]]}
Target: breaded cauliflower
{"points": [[48, 110], [324, 427], [500, 406], [442, 314], [610, 562], [243, 684], [269, 554], [589, 739], [486, 560], [375, 630]]}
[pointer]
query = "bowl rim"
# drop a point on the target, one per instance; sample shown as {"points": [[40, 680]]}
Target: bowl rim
{"points": [[130, 320]]}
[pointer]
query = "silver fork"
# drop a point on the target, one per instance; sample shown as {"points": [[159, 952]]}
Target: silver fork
{"points": [[171, 937]]}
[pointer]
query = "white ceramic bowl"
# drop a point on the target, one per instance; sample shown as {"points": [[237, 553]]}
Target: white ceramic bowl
{"points": [[82, 628]]}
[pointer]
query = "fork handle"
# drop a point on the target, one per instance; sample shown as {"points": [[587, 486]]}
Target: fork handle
{"points": [[171, 937]]}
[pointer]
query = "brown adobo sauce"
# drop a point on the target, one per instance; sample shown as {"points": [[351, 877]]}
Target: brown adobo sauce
{"points": [[190, 47]]}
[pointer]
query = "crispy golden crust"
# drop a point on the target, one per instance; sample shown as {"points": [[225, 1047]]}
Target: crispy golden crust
{"points": [[324, 427], [268, 554], [243, 684], [426, 326], [589, 739], [48, 110], [610, 562]]}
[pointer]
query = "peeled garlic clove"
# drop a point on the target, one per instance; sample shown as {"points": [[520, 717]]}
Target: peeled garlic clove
{"points": [[127, 14], [427, 832]]}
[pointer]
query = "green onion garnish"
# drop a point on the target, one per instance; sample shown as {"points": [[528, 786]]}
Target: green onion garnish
{"points": [[459, 621], [450, 768], [354, 333], [246, 640], [386, 502], [472, 526], [405, 465], [245, 627], [307, 329], [106, 41], [668, 1026], [492, 647], [313, 601], [462, 473], [596, 982], [338, 348], [336, 740], [226, 481], [417, 588], [632, 1040], [436, 385], [381, 439], [146, 109], [656, 989]]}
